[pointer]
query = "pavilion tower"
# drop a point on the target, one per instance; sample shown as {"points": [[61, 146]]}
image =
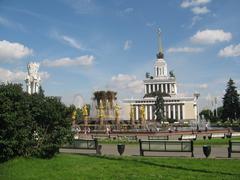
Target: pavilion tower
{"points": [[160, 67]]}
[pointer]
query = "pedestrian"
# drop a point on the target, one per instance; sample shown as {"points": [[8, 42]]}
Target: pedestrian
{"points": [[206, 126]]}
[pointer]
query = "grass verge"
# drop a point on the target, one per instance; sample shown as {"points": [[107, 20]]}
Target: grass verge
{"points": [[67, 166]]}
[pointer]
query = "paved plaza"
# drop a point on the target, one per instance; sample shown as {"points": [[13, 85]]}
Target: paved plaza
{"points": [[217, 151]]}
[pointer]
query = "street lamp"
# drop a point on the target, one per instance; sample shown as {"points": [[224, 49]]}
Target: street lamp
{"points": [[196, 95]]}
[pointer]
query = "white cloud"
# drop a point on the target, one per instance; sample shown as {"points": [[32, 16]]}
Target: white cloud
{"points": [[203, 86], [125, 12], [191, 3], [127, 44], [10, 24], [196, 85], [128, 10], [211, 36], [17, 76], [44, 75], [4, 22], [128, 83], [200, 10], [151, 24], [13, 51], [185, 50], [86, 60], [70, 41], [230, 51], [195, 19], [83, 6]]}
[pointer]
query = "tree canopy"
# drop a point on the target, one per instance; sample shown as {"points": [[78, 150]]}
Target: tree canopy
{"points": [[31, 125], [231, 108]]}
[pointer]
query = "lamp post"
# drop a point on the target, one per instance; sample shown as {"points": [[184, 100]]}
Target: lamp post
{"points": [[196, 95]]}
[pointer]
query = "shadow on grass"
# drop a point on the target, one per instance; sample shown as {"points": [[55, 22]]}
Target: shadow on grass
{"points": [[140, 161]]}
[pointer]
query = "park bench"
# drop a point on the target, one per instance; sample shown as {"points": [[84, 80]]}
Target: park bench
{"points": [[158, 138], [101, 136], [165, 146], [88, 144], [127, 138], [233, 147], [235, 134], [188, 137], [219, 135]]}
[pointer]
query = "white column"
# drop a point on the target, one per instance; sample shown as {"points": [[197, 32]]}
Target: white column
{"points": [[178, 109], [161, 85], [169, 111], [183, 112], [145, 88], [153, 87], [146, 112], [165, 88], [150, 109], [174, 113], [136, 112], [175, 88], [149, 88]]}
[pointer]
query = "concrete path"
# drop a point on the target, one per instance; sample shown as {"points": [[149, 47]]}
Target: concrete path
{"points": [[133, 150]]}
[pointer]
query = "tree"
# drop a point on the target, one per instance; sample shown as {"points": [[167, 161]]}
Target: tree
{"points": [[31, 124], [231, 102], [159, 108], [206, 114], [52, 125]]}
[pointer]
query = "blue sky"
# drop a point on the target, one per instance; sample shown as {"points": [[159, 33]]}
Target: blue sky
{"points": [[88, 45]]}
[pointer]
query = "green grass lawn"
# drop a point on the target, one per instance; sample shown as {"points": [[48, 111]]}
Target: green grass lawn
{"points": [[215, 141], [66, 166]]}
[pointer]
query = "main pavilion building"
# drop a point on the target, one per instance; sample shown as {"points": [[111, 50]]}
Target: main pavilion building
{"points": [[176, 107]]}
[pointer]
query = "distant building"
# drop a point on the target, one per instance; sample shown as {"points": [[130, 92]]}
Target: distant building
{"points": [[176, 107], [33, 78]]}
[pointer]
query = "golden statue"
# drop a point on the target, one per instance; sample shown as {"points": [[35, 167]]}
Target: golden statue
{"points": [[85, 110], [74, 115], [131, 115], [85, 114], [101, 113], [116, 110]]}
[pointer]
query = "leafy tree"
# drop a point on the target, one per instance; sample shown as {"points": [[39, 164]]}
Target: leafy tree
{"points": [[52, 126], [206, 114], [159, 108], [231, 102], [15, 122], [31, 124]]}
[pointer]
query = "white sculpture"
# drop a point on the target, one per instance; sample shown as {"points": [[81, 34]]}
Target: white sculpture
{"points": [[33, 78]]}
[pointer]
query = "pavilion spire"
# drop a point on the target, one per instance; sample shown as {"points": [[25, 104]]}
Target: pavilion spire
{"points": [[160, 46]]}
